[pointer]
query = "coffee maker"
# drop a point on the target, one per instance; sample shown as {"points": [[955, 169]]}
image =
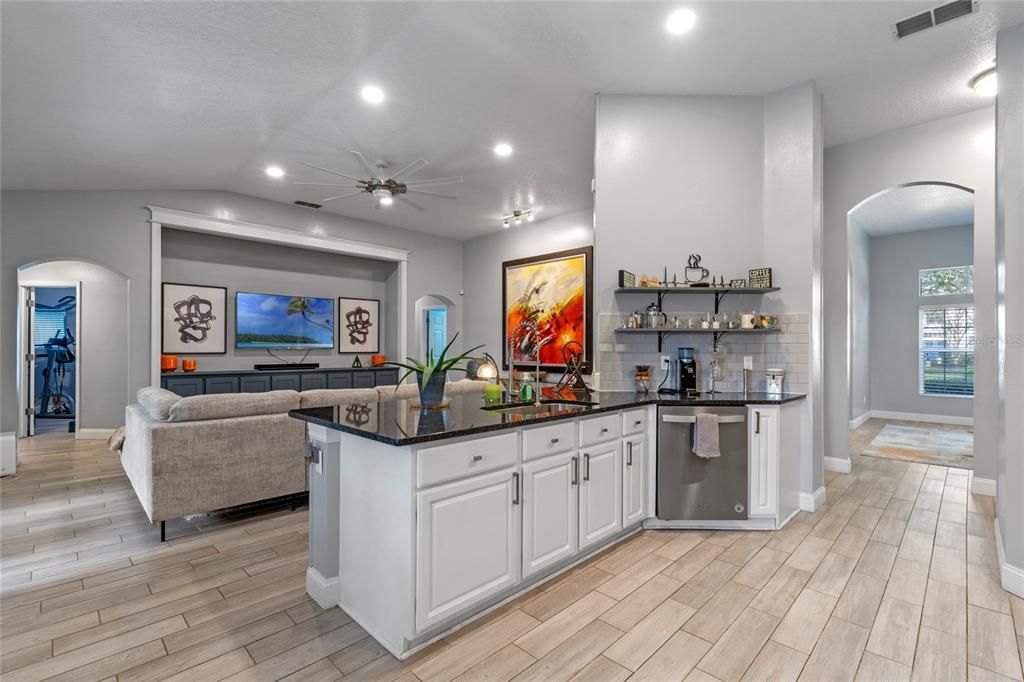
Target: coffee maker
{"points": [[687, 372]]}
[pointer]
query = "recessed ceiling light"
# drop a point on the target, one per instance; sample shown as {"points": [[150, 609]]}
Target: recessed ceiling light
{"points": [[372, 94], [503, 149], [680, 21], [275, 171], [984, 84]]}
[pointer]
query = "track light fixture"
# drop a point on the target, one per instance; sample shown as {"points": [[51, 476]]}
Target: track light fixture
{"points": [[517, 218]]}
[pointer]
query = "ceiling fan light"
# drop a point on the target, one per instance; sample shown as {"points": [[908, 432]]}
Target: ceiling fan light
{"points": [[518, 221], [504, 223], [372, 94], [680, 21], [274, 171], [503, 149], [529, 217]]}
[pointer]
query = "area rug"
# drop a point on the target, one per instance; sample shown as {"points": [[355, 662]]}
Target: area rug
{"points": [[944, 447]]}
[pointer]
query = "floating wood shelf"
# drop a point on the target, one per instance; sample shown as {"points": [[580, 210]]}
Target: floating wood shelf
{"points": [[718, 333]]}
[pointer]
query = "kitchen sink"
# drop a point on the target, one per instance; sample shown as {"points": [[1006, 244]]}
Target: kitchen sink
{"points": [[545, 407]]}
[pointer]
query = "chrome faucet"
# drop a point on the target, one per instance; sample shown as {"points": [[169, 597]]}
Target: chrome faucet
{"points": [[531, 327]]}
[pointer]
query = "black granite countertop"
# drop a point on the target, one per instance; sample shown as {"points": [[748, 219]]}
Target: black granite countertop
{"points": [[400, 422]]}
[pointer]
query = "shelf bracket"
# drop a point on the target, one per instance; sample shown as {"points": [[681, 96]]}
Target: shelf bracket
{"points": [[719, 295]]}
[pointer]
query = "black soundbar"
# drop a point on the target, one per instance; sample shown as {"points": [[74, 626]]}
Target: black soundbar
{"points": [[293, 365]]}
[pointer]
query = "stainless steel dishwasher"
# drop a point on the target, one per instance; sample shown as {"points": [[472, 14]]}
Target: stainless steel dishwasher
{"points": [[691, 488]]}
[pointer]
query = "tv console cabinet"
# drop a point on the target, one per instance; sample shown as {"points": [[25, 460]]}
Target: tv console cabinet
{"points": [[252, 381]]}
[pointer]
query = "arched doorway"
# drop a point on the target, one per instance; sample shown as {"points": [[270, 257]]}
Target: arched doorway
{"points": [[94, 381], [910, 323], [434, 316]]}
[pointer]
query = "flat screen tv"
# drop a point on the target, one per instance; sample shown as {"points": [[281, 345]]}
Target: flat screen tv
{"points": [[275, 321]]}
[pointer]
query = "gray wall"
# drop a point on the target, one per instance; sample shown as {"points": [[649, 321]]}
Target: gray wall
{"points": [[1010, 255], [860, 321], [238, 265], [959, 149], [112, 229], [103, 342], [482, 258], [895, 262]]}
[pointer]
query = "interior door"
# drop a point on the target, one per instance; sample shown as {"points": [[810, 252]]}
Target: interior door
{"points": [[30, 361], [550, 511], [600, 493]]}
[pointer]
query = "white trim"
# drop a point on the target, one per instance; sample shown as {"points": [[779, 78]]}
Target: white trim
{"points": [[195, 222], [763, 523], [1011, 577], [916, 417], [859, 421], [812, 502], [983, 486], [8, 453], [94, 434], [155, 295], [326, 592], [838, 464]]}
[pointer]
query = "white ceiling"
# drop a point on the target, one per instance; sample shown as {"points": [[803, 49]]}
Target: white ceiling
{"points": [[913, 208], [203, 95]]}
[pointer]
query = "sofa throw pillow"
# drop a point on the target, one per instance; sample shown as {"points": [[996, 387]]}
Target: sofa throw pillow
{"points": [[157, 402], [227, 405]]}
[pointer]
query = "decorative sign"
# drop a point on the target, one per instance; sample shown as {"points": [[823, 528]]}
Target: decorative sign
{"points": [[738, 283], [760, 278], [627, 280]]}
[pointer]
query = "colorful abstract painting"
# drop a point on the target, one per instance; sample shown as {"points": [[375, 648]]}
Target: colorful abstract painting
{"points": [[554, 292]]}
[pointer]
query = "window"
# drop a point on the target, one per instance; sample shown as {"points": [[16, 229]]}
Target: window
{"points": [[947, 350], [947, 281]]}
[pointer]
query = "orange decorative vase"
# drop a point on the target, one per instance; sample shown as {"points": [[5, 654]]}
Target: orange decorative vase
{"points": [[168, 363], [377, 360], [188, 365]]}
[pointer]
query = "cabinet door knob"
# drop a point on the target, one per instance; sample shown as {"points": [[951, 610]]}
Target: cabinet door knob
{"points": [[554, 440], [478, 458], [638, 422], [604, 429]]}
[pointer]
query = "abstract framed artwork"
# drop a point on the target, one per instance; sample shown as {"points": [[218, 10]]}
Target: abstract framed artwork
{"points": [[555, 292], [193, 319], [358, 325]]}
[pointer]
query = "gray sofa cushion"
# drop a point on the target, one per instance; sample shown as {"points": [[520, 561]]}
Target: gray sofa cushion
{"points": [[157, 401], [388, 393], [226, 405], [324, 397], [465, 387]]}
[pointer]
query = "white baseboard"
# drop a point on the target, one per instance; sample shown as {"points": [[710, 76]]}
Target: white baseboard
{"points": [[8, 453], [94, 434], [859, 421], [983, 486], [812, 502], [915, 417], [840, 464], [325, 591], [1012, 577]]}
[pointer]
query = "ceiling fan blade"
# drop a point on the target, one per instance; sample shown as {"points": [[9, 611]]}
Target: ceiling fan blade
{"points": [[329, 184], [328, 170], [413, 167], [374, 172], [434, 181], [342, 196], [432, 194], [409, 202]]}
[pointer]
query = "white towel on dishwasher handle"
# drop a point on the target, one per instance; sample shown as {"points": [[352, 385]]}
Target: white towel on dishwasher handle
{"points": [[705, 439]]}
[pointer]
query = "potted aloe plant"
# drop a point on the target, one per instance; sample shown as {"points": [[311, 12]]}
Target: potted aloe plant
{"points": [[432, 374]]}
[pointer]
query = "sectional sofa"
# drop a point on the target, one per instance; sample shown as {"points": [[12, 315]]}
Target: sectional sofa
{"points": [[190, 455]]}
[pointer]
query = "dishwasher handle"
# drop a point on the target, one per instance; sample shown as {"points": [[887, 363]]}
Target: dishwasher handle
{"points": [[680, 419]]}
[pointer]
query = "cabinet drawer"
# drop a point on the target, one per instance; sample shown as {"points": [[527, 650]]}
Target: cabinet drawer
{"points": [[447, 462], [221, 385], [598, 429], [339, 380], [549, 440], [285, 382], [365, 379], [312, 381], [184, 386], [634, 421], [254, 384]]}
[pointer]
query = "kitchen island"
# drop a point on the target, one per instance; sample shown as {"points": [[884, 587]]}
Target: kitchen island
{"points": [[421, 520]]}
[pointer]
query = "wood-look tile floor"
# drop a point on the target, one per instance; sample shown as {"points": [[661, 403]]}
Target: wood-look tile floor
{"points": [[894, 579]]}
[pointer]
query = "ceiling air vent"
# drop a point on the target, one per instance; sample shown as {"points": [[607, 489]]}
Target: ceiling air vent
{"points": [[308, 204], [933, 17]]}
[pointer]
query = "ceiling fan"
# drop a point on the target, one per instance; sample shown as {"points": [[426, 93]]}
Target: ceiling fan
{"points": [[382, 187]]}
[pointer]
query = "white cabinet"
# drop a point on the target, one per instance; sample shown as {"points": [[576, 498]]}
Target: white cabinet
{"points": [[468, 544], [550, 511], [600, 492], [634, 480], [764, 461]]}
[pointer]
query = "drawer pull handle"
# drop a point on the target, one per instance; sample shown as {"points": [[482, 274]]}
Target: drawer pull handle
{"points": [[629, 454], [478, 458], [554, 440], [638, 422], [515, 488], [757, 424], [604, 429], [586, 467], [575, 470]]}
